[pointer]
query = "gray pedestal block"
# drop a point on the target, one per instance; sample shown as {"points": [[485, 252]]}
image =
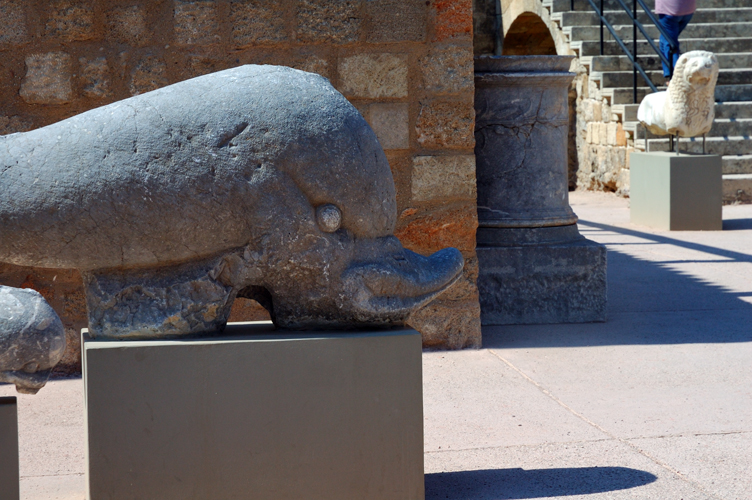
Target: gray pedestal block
{"points": [[256, 414], [676, 192], [8, 449], [556, 283]]}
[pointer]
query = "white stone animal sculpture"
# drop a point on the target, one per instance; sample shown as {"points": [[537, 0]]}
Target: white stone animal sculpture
{"points": [[687, 108]]}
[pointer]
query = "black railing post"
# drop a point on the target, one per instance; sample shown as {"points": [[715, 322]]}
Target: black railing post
{"points": [[572, 5], [634, 48], [602, 16]]}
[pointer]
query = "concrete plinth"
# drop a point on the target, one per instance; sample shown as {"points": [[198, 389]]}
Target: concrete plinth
{"points": [[256, 414], [553, 283], [676, 192], [8, 449]]}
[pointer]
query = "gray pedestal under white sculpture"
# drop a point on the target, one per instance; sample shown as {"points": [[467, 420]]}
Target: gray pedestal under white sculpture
{"points": [[535, 267]]}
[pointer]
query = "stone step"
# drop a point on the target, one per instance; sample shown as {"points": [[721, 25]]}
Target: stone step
{"points": [[738, 110], [625, 78], [722, 127], [619, 17], [730, 93], [694, 30], [737, 164], [621, 62], [737, 188], [716, 45], [584, 5], [724, 146]]}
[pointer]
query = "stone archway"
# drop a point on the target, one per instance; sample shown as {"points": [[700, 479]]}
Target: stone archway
{"points": [[528, 35]]}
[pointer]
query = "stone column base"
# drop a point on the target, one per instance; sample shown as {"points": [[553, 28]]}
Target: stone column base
{"points": [[256, 413], [556, 283]]}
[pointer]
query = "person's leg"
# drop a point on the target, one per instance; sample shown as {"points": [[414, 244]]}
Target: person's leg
{"points": [[671, 28], [681, 23]]}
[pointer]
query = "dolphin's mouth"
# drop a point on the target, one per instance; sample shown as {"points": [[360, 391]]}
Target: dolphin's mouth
{"points": [[394, 286], [26, 383]]}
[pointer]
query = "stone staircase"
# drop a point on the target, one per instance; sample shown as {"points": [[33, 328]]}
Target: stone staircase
{"points": [[720, 26]]}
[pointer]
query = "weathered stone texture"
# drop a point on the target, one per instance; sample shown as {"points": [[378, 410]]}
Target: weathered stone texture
{"points": [[448, 70], [313, 64], [454, 19], [453, 320], [48, 79], [95, 74], [445, 125], [128, 25], [12, 22], [13, 124], [149, 74], [430, 232], [374, 75], [443, 177], [329, 21], [196, 22], [397, 20], [257, 22], [71, 21], [391, 124]]}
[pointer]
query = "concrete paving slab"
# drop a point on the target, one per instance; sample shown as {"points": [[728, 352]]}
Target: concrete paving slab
{"points": [[595, 470], [473, 400], [721, 463], [647, 390]]}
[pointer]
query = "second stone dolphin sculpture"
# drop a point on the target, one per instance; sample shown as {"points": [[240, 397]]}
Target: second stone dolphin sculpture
{"points": [[258, 181], [32, 339]]}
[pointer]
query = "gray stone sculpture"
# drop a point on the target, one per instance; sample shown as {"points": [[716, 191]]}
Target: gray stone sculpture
{"points": [[32, 339], [259, 181], [687, 107]]}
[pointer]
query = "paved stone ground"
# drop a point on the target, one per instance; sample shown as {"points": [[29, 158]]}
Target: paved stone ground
{"points": [[656, 403]]}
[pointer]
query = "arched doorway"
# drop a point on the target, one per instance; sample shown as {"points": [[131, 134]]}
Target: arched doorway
{"points": [[528, 36]]}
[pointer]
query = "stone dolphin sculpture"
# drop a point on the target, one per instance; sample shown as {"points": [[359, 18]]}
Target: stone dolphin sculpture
{"points": [[259, 181], [32, 339]]}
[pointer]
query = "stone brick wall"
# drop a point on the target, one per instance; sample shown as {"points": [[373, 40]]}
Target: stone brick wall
{"points": [[603, 146], [405, 64]]}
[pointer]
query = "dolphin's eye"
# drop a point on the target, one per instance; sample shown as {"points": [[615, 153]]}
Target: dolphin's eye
{"points": [[329, 218]]}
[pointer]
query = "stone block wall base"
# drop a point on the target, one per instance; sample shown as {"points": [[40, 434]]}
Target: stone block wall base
{"points": [[676, 192], [256, 413], [560, 283], [8, 449]]}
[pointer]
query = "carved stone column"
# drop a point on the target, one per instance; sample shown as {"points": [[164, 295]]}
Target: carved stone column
{"points": [[535, 267]]}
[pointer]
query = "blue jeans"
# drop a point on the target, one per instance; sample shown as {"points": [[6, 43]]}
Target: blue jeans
{"points": [[673, 26]]}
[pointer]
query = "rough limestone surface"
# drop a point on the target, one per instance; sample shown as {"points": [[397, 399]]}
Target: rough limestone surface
{"points": [[687, 108], [32, 339], [260, 181], [12, 26], [442, 177], [48, 79], [374, 75], [391, 124]]}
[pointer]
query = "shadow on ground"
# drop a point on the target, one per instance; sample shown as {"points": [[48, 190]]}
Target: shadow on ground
{"points": [[498, 484], [649, 302]]}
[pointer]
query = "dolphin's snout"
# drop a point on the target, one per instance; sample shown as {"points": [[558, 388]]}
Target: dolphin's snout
{"points": [[396, 285]]}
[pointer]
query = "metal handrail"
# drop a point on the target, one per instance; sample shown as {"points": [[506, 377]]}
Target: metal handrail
{"points": [[633, 59], [636, 25]]}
